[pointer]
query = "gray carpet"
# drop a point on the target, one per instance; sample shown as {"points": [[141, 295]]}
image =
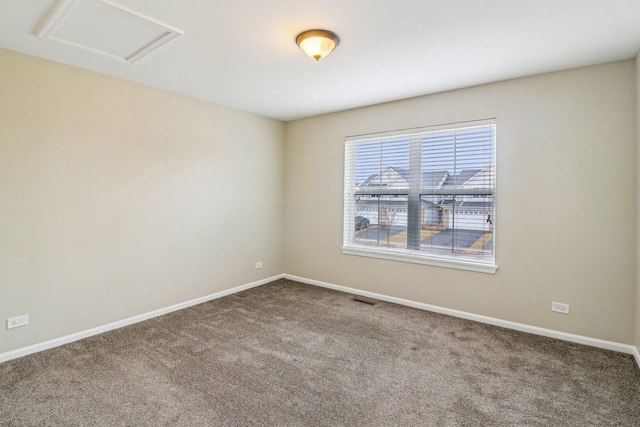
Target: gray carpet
{"points": [[288, 354]]}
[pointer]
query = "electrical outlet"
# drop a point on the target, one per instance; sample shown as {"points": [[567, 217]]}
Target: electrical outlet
{"points": [[14, 322], [258, 265], [560, 307]]}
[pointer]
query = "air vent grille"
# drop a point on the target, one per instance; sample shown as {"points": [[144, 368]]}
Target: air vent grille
{"points": [[364, 300]]}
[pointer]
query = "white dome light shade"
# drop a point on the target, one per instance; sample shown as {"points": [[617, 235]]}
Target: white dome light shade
{"points": [[317, 43]]}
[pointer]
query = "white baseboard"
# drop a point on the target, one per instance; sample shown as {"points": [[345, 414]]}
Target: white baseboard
{"points": [[594, 342], [14, 354]]}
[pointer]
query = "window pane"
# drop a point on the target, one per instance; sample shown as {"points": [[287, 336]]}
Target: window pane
{"points": [[460, 158], [438, 158], [425, 191], [382, 163], [457, 225], [381, 221]]}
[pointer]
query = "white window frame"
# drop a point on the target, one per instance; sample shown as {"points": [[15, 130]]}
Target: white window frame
{"points": [[455, 261]]}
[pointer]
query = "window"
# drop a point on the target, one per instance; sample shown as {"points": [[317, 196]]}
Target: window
{"points": [[423, 195]]}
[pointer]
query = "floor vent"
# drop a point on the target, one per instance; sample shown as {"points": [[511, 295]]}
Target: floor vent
{"points": [[364, 301]]}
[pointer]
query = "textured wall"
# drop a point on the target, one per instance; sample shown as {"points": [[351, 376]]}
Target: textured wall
{"points": [[566, 201], [118, 199]]}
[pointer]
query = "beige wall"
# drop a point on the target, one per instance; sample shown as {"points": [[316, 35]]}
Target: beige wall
{"points": [[637, 336], [117, 199], [566, 201]]}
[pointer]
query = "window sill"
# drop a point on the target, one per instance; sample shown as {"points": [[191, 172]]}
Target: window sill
{"points": [[403, 256]]}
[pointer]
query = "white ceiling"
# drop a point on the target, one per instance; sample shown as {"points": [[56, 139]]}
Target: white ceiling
{"points": [[242, 53]]}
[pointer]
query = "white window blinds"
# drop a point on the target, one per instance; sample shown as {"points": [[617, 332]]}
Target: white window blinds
{"points": [[424, 195]]}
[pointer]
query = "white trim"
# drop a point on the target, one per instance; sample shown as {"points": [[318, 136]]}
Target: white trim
{"points": [[636, 354], [580, 339], [56, 342], [419, 258], [402, 133]]}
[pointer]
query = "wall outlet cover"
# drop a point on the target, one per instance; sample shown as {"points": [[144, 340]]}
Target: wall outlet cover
{"points": [[560, 307], [15, 322]]}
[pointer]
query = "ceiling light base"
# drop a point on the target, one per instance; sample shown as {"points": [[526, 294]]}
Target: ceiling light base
{"points": [[318, 43]]}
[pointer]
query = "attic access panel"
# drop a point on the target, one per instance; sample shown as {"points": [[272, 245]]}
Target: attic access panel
{"points": [[108, 29]]}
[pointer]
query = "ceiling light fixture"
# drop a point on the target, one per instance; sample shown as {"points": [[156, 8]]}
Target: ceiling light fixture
{"points": [[317, 43]]}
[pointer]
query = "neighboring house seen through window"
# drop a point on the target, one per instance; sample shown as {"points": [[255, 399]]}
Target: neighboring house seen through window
{"points": [[423, 195]]}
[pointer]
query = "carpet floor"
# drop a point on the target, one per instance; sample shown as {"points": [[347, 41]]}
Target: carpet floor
{"points": [[289, 354]]}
